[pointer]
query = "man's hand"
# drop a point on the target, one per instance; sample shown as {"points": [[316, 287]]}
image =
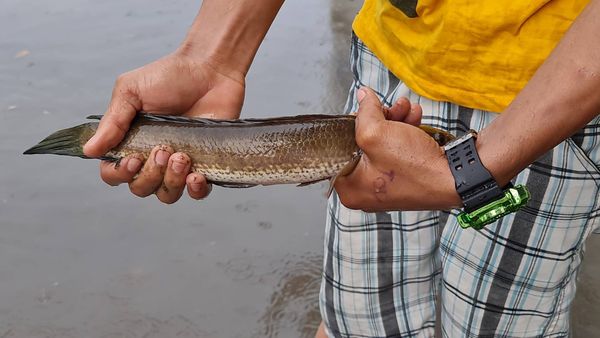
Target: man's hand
{"points": [[204, 77], [402, 168], [177, 85]]}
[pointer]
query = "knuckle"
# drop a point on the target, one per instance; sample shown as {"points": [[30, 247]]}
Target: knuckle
{"points": [[151, 174], [112, 122], [369, 135]]}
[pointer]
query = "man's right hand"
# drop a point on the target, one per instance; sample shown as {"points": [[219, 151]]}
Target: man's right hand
{"points": [[173, 85]]}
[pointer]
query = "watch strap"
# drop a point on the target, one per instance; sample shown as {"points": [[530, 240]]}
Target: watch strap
{"points": [[474, 183]]}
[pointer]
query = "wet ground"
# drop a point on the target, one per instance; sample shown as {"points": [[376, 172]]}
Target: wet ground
{"points": [[81, 259]]}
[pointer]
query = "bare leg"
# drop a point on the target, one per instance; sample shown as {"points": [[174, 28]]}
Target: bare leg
{"points": [[321, 331]]}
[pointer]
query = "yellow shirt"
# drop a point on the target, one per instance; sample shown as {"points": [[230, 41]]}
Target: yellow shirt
{"points": [[478, 54]]}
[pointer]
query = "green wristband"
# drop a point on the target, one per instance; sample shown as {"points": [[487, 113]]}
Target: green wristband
{"points": [[514, 199]]}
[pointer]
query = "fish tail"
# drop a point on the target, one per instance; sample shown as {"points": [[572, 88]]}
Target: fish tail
{"points": [[67, 142]]}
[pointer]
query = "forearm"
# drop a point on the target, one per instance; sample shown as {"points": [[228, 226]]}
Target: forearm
{"points": [[227, 33], [561, 98]]}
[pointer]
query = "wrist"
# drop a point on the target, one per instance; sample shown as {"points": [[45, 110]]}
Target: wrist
{"points": [[484, 200], [448, 196], [227, 37], [502, 166], [474, 183], [218, 59], [211, 64]]}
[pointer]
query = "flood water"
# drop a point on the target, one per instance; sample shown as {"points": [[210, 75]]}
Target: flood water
{"points": [[81, 259]]}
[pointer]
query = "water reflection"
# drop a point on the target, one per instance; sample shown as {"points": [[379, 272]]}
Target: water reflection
{"points": [[293, 309]]}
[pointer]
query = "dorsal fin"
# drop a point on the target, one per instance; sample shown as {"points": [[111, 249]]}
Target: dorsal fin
{"points": [[142, 116]]}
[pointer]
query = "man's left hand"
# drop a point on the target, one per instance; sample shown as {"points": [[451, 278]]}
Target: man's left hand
{"points": [[402, 167]]}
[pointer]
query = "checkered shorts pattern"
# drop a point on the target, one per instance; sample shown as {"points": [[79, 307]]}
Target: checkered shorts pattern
{"points": [[515, 278]]}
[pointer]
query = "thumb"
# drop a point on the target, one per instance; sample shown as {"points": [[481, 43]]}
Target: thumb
{"points": [[370, 109], [114, 124], [369, 106]]}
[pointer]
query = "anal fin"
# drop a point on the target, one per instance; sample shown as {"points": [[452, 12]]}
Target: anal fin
{"points": [[304, 184], [233, 184]]}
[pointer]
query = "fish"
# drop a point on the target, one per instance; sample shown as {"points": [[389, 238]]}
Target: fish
{"points": [[242, 153]]}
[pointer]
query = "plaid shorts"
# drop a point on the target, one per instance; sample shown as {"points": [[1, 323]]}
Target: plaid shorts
{"points": [[383, 272]]}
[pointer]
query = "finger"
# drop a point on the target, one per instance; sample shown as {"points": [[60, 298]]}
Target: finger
{"points": [[399, 110], [386, 112], [370, 108], [175, 177], [113, 174], [414, 115], [151, 176], [368, 119], [197, 186], [122, 109]]}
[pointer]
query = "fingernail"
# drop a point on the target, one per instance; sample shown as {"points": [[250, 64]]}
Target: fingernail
{"points": [[361, 94], [179, 164], [196, 187], [161, 158], [134, 164]]}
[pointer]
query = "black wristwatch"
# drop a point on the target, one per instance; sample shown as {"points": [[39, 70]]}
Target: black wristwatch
{"points": [[483, 200]]}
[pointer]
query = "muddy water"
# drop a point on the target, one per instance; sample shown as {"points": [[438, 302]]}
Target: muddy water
{"points": [[80, 259]]}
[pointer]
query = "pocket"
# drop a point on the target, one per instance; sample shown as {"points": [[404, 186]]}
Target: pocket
{"points": [[585, 159], [589, 159], [586, 144]]}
